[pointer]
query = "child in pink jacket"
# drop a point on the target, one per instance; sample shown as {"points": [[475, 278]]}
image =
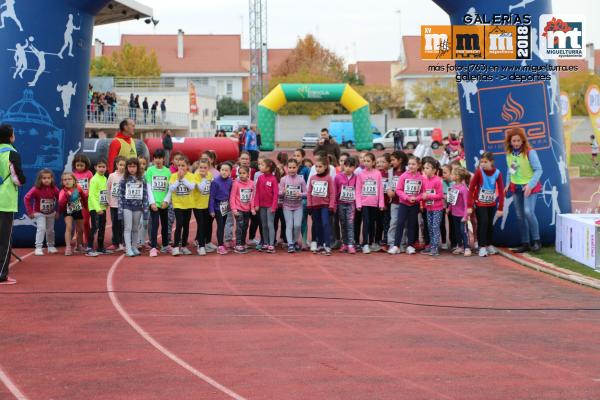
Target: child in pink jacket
{"points": [[369, 197], [265, 203], [433, 196], [240, 201]]}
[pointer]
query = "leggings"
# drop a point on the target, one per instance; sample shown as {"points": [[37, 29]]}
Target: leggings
{"points": [[98, 222], [241, 227], [434, 219], [267, 221], [131, 222], [407, 217], [369, 216], [117, 227], [202, 219], [160, 216], [382, 225], [221, 222], [182, 226], [485, 225], [293, 224], [323, 229], [254, 225]]}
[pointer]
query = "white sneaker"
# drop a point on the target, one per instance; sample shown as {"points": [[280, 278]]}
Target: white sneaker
{"points": [[313, 246], [375, 248], [483, 252], [491, 250], [121, 247], [410, 250], [39, 252], [366, 249], [394, 250], [186, 252], [210, 247], [52, 250], [201, 251], [175, 252], [444, 246]]}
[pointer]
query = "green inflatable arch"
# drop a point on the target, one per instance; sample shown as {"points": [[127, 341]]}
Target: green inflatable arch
{"points": [[342, 92]]}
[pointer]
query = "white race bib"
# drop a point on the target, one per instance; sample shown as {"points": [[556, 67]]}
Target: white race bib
{"points": [[292, 192], [206, 190], [159, 183], [452, 196], [347, 193], [245, 195], [487, 196], [84, 183], [412, 187], [114, 190], [46, 206], [386, 184], [320, 188], [369, 188], [134, 191], [103, 197], [182, 190], [224, 207], [429, 192], [393, 183], [74, 206]]}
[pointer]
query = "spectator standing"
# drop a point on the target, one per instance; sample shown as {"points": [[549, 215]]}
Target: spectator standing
{"points": [[242, 139], [327, 145], [167, 143], [131, 107], [123, 144], [163, 110], [146, 108], [153, 112], [252, 144]]}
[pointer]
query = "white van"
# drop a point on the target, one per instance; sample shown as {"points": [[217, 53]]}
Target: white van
{"points": [[412, 138], [231, 125]]}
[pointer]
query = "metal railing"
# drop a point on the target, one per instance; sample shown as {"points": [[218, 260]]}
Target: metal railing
{"points": [[142, 118], [143, 83]]}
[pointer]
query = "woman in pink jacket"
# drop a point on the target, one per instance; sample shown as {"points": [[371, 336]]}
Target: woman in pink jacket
{"points": [[433, 196], [369, 197]]}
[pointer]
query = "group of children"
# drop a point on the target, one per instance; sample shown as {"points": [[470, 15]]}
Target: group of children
{"points": [[398, 202]]}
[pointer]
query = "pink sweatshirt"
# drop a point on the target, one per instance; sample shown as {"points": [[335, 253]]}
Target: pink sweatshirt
{"points": [[458, 197], [45, 200], [292, 189], [83, 179], [345, 188], [435, 193], [410, 184], [112, 185], [321, 192], [241, 195], [369, 189], [267, 192]]}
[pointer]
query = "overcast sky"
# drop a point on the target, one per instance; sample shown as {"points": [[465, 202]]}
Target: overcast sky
{"points": [[364, 30]]}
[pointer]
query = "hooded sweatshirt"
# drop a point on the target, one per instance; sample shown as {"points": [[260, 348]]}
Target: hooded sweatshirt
{"points": [[292, 189], [345, 188], [369, 189], [321, 192], [435, 193], [267, 192], [44, 200], [410, 184], [220, 191], [83, 179], [241, 195]]}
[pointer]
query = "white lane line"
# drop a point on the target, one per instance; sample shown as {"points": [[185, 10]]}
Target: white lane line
{"points": [[22, 258], [11, 386], [155, 343]]}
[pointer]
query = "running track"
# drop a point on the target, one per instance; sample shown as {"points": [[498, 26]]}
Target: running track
{"points": [[295, 327]]}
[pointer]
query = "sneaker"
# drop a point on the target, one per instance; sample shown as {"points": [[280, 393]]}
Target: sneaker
{"points": [[165, 249], [385, 248], [259, 247], [297, 247], [327, 251], [537, 246], [68, 251], [240, 250], [457, 251], [8, 281], [129, 253], [444, 246], [366, 249], [434, 253], [483, 252], [209, 246], [476, 245], [271, 249], [52, 250], [313, 247], [39, 252], [394, 250], [230, 244], [153, 252], [210, 249], [112, 247], [351, 249], [491, 250], [410, 250], [343, 249], [375, 248], [201, 251], [222, 250], [467, 252], [426, 250], [186, 252], [175, 251], [524, 248], [337, 245], [121, 247], [136, 252], [291, 248], [91, 253], [103, 252]]}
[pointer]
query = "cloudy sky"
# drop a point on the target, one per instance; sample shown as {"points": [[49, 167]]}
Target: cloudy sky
{"points": [[364, 30]]}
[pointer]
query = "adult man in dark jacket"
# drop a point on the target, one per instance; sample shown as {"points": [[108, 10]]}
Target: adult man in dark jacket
{"points": [[12, 177], [327, 145], [167, 143]]}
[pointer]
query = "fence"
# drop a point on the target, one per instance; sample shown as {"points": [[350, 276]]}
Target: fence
{"points": [[142, 118]]}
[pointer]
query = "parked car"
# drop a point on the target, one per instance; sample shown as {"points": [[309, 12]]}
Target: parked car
{"points": [[310, 140], [412, 138], [343, 132]]}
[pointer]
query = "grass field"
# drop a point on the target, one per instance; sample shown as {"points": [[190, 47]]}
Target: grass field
{"points": [[585, 164], [550, 255]]}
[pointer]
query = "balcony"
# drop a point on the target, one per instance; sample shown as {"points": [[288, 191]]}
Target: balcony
{"points": [[144, 121]]}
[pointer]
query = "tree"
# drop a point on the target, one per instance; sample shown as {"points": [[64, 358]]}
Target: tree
{"points": [[575, 85], [229, 106], [435, 99], [353, 78], [129, 61], [309, 56], [381, 97]]}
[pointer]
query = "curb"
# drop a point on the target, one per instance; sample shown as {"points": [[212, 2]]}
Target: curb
{"points": [[551, 269]]}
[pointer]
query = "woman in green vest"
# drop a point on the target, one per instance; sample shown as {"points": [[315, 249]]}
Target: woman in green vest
{"points": [[11, 177], [524, 171]]}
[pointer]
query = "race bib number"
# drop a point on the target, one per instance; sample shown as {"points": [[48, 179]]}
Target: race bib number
{"points": [[182, 190], [386, 184], [452, 196], [319, 188], [206, 190], [103, 197], [46, 206], [347, 194], [292, 192], [412, 187], [224, 207], [114, 190], [369, 188], [429, 192], [487, 196], [74, 206], [245, 195], [159, 183], [393, 183], [84, 183], [134, 191]]}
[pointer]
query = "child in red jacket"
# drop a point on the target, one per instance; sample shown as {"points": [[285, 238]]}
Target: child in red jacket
{"points": [[321, 202], [40, 204], [265, 202], [72, 200]]}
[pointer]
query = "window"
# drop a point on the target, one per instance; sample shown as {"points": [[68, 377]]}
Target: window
{"points": [[220, 88], [203, 81], [194, 124], [229, 91]]}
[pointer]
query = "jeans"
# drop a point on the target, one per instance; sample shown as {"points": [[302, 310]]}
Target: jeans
{"points": [[229, 227], [117, 227], [293, 225], [98, 224], [485, 225], [434, 219], [407, 217], [45, 228], [182, 226], [369, 215], [323, 229], [131, 222], [241, 227], [525, 208], [460, 232], [162, 216], [267, 222], [346, 215], [202, 219]]}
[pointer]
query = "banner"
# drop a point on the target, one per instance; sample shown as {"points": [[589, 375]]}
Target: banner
{"points": [[565, 111], [592, 103], [193, 100]]}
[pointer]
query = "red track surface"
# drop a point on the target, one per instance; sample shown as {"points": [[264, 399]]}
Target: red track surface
{"points": [[321, 340]]}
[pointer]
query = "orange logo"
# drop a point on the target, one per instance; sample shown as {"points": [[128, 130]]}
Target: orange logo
{"points": [[436, 42], [500, 42], [469, 41]]}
